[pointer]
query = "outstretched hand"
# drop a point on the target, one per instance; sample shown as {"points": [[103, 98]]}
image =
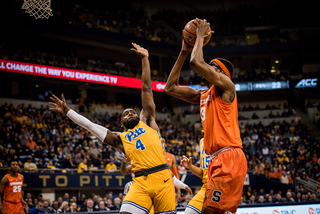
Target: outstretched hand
{"points": [[186, 162], [59, 105], [140, 51]]}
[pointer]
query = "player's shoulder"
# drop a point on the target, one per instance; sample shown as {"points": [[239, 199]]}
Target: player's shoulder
{"points": [[5, 178]]}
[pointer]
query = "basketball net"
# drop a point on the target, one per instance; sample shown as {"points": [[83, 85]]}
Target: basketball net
{"points": [[38, 8]]}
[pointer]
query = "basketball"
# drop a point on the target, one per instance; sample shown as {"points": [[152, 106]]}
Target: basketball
{"points": [[189, 33]]}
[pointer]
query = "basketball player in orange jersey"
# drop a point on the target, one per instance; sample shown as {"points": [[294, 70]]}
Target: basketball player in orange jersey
{"points": [[141, 142], [219, 116], [170, 158], [10, 186]]}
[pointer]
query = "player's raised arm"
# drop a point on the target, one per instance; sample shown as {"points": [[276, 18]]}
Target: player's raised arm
{"points": [[148, 112], [172, 87], [104, 134], [212, 74]]}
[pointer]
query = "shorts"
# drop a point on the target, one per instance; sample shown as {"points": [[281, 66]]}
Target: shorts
{"points": [[155, 189], [197, 201], [226, 174], [10, 208]]}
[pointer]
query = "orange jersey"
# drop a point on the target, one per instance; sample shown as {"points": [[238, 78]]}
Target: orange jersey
{"points": [[169, 157], [12, 191], [219, 121]]}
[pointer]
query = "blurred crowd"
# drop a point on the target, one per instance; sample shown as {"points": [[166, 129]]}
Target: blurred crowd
{"points": [[165, 24], [113, 201], [44, 140], [72, 204]]}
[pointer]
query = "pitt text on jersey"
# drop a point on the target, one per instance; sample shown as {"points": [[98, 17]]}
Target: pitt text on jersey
{"points": [[134, 134]]}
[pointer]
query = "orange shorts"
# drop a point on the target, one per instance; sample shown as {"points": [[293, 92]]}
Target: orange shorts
{"points": [[226, 174], [10, 208]]}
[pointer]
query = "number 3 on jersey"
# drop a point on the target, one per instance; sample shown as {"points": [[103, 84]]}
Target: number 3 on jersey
{"points": [[139, 145], [203, 113]]}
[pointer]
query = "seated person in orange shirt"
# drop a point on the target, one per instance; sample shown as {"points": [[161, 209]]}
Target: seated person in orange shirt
{"points": [[30, 142]]}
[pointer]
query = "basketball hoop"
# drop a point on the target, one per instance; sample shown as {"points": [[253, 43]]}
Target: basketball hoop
{"points": [[38, 8]]}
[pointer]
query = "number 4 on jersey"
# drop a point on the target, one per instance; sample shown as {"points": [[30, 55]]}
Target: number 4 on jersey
{"points": [[139, 145]]}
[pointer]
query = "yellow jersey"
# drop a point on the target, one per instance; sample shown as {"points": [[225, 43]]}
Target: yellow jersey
{"points": [[205, 159], [82, 166], [143, 146]]}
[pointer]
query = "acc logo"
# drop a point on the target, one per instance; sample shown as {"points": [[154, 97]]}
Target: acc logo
{"points": [[275, 212], [307, 83], [312, 211]]}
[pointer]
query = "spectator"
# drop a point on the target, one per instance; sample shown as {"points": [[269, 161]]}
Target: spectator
{"points": [[288, 197], [242, 202], [111, 167], [117, 203], [102, 206], [284, 179], [67, 149], [252, 200], [82, 166], [260, 199], [28, 195], [68, 163], [40, 197], [31, 142], [73, 207], [30, 166], [46, 206], [96, 161], [89, 207], [66, 197], [313, 197], [109, 204], [38, 208], [278, 199], [269, 199], [255, 116], [60, 200], [78, 159], [30, 203], [63, 207], [50, 165]]}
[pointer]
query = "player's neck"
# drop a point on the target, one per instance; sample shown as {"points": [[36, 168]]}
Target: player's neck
{"points": [[14, 174]]}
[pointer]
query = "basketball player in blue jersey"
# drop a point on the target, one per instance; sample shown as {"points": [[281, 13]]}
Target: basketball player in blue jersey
{"points": [[141, 142]]}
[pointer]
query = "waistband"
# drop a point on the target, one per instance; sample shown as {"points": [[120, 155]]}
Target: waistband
{"points": [[146, 172], [217, 152], [12, 202]]}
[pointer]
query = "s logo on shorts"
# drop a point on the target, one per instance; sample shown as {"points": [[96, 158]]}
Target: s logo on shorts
{"points": [[216, 196]]}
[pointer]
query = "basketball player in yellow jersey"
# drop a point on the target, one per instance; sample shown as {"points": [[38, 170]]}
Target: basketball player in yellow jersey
{"points": [[152, 184], [195, 205]]}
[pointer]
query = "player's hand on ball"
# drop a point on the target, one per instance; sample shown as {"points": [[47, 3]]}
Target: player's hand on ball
{"points": [[60, 105], [186, 47], [203, 28], [140, 51], [186, 162], [188, 189]]}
